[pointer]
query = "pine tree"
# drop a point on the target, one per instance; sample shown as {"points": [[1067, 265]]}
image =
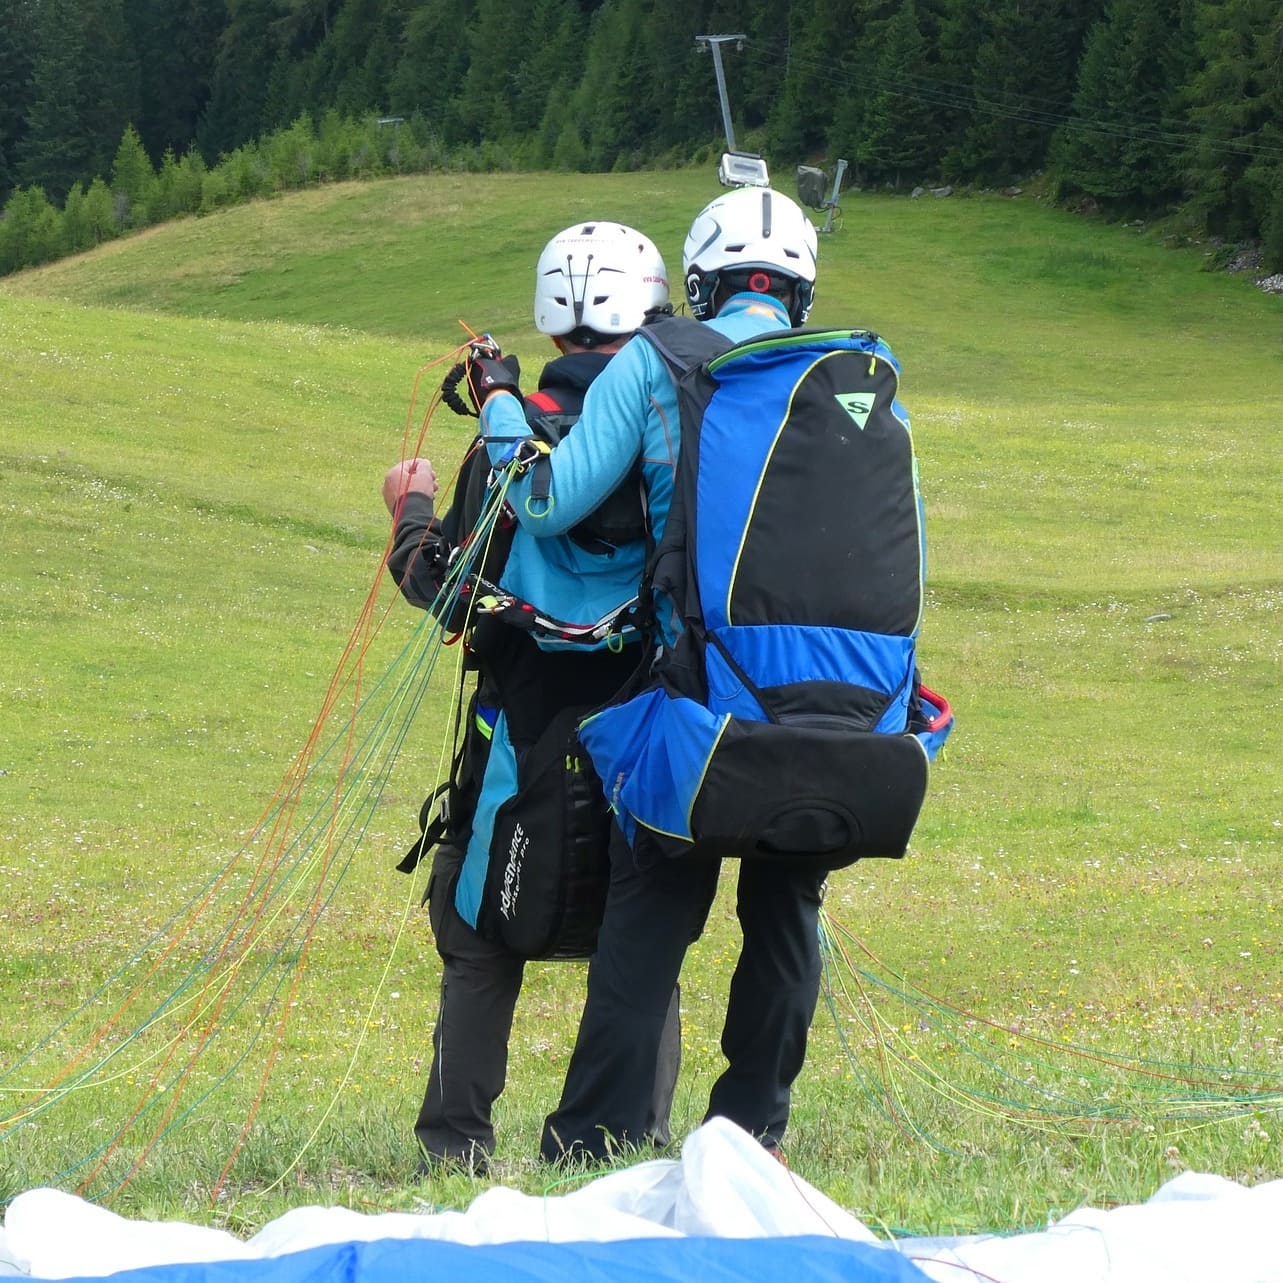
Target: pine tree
{"points": [[100, 212], [351, 67], [682, 106], [163, 201], [305, 24], [482, 110], [763, 61], [1121, 145], [886, 131], [247, 52], [176, 42], [189, 187], [1020, 90], [75, 234], [903, 88], [30, 231], [961, 32], [290, 155], [1272, 225], [1236, 164], [110, 75], [568, 152], [56, 149], [433, 62], [822, 60], [612, 101], [132, 180], [557, 31], [17, 52], [88, 217]]}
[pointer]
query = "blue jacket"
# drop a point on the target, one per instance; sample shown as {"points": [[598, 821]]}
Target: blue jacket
{"points": [[630, 412], [557, 574]]}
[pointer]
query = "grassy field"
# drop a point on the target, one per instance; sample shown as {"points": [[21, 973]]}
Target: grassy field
{"points": [[1068, 980]]}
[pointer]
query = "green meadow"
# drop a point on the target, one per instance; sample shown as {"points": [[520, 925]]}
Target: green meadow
{"points": [[1070, 988]]}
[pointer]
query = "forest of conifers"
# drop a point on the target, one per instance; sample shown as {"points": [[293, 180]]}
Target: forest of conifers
{"points": [[1141, 108]]}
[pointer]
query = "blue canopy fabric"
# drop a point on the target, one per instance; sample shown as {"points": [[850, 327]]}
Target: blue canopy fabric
{"points": [[650, 1260]]}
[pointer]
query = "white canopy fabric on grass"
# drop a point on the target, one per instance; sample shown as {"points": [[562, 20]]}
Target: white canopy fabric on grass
{"points": [[725, 1212]]}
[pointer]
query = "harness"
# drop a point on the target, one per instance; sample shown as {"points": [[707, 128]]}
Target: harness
{"points": [[619, 519]]}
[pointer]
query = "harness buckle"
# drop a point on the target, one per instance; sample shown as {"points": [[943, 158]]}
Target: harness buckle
{"points": [[528, 452]]}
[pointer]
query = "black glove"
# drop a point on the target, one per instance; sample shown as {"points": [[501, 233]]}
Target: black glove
{"points": [[487, 375]]}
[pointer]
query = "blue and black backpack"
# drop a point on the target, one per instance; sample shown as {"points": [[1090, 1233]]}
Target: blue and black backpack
{"points": [[788, 720]]}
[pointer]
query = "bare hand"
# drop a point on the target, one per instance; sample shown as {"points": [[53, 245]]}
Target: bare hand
{"points": [[409, 476]]}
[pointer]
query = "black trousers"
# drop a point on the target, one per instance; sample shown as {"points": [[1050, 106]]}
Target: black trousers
{"points": [[651, 917], [480, 984]]}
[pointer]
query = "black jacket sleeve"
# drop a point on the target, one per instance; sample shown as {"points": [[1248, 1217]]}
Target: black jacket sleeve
{"points": [[420, 552], [424, 546]]}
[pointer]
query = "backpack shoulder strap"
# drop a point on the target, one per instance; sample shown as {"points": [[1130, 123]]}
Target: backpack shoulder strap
{"points": [[551, 417], [618, 519], [544, 402], [684, 343]]}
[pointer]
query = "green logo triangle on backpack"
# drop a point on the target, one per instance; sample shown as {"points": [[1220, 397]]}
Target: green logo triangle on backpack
{"points": [[859, 405]]}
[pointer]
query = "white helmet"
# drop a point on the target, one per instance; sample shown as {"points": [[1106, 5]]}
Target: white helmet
{"points": [[597, 280], [759, 232]]}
